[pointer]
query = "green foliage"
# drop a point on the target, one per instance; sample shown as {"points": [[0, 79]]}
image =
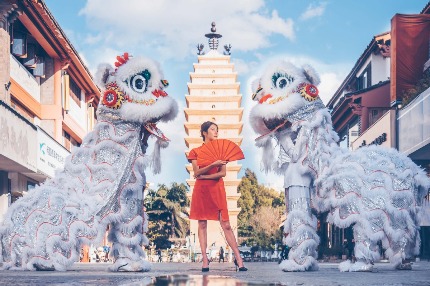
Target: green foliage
{"points": [[423, 84], [259, 203], [167, 213]]}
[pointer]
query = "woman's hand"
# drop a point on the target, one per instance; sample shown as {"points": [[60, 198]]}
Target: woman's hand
{"points": [[218, 163], [144, 136]]}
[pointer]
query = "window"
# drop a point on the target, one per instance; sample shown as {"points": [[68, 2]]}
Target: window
{"points": [[74, 142], [374, 116], [27, 50], [343, 139], [364, 80], [66, 140], [9, 191], [21, 109], [75, 92], [30, 186], [429, 49], [69, 141]]}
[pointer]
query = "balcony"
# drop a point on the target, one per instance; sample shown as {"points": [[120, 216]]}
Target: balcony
{"points": [[414, 127], [18, 151], [24, 78]]}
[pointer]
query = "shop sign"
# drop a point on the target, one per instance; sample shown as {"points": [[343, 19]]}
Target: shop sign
{"points": [[51, 155], [15, 138], [378, 141]]}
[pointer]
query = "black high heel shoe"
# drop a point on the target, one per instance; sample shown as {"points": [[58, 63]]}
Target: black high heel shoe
{"points": [[243, 268], [206, 269]]}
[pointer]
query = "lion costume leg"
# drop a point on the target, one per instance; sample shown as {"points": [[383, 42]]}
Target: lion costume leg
{"points": [[127, 237], [301, 229], [402, 244], [366, 252]]}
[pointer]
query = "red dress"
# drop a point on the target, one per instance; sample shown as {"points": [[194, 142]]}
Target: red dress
{"points": [[209, 200]]}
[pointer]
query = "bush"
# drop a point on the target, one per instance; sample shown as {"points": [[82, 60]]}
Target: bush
{"points": [[420, 86]]}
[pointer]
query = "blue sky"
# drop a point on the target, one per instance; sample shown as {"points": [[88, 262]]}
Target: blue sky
{"points": [[330, 35]]}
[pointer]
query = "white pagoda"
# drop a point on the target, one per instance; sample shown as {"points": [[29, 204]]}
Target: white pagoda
{"points": [[214, 95]]}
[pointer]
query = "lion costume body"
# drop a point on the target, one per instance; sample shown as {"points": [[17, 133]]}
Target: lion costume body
{"points": [[376, 190], [102, 183]]}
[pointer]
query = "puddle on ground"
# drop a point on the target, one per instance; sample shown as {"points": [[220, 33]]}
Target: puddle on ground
{"points": [[198, 280]]}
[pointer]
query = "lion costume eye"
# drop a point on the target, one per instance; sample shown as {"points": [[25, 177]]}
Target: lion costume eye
{"points": [[281, 80], [139, 82]]}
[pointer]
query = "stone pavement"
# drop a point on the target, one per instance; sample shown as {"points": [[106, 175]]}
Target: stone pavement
{"points": [[259, 273]]}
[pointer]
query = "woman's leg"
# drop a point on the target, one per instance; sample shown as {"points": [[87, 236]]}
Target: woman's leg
{"points": [[231, 240], [203, 238]]}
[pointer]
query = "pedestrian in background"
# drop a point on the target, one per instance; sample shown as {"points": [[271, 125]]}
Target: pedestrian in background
{"points": [[221, 254]]}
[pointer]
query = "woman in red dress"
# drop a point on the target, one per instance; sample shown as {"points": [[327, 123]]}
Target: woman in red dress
{"points": [[209, 199]]}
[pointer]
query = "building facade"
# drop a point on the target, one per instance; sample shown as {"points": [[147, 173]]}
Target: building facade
{"points": [[47, 98], [385, 100], [214, 95]]}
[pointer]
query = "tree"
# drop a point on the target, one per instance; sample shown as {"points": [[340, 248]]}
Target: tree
{"points": [[167, 212], [247, 188], [266, 223], [257, 200]]}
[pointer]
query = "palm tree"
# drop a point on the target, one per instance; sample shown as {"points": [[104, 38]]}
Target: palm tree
{"points": [[167, 211]]}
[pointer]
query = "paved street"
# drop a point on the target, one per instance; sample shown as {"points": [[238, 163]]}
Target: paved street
{"points": [[260, 273]]}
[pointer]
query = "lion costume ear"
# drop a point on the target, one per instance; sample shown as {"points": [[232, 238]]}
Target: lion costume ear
{"points": [[103, 73], [256, 90], [311, 75]]}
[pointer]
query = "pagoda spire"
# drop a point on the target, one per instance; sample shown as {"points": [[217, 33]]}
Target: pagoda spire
{"points": [[213, 41], [213, 37]]}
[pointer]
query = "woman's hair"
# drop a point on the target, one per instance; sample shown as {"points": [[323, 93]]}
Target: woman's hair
{"points": [[205, 127]]}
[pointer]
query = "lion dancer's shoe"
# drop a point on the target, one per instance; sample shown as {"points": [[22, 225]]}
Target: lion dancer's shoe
{"points": [[128, 265], [366, 253], [401, 251], [126, 254], [301, 229]]}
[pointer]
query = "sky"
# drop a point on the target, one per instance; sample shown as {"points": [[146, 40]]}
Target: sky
{"points": [[329, 35]]}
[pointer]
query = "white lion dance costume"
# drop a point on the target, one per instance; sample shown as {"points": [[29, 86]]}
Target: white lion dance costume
{"points": [[377, 190], [102, 181]]}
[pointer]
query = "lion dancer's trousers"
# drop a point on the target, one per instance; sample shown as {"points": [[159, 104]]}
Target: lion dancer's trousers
{"points": [[300, 230], [127, 237]]}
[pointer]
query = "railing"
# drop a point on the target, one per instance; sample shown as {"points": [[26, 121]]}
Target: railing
{"points": [[24, 78], [414, 124]]}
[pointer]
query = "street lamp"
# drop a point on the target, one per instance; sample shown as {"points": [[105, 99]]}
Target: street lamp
{"points": [[397, 105], [193, 257]]}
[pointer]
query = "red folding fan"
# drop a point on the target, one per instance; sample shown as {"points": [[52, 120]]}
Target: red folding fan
{"points": [[219, 149]]}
